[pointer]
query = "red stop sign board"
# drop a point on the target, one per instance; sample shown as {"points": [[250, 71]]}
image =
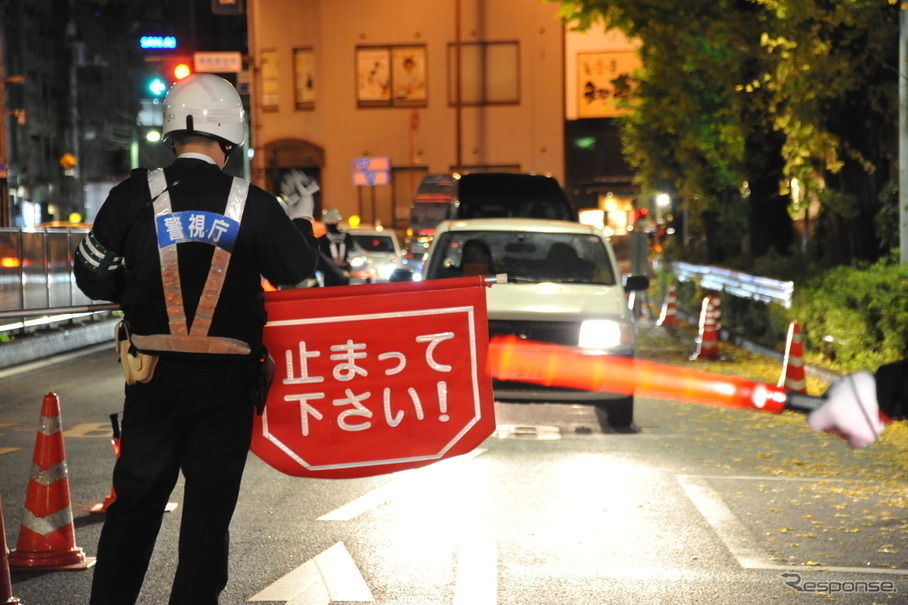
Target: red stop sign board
{"points": [[375, 378]]}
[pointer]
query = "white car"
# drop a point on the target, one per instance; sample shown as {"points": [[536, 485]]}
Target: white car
{"points": [[563, 287], [382, 249]]}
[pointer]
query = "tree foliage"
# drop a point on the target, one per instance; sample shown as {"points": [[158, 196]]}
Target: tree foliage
{"points": [[738, 98]]}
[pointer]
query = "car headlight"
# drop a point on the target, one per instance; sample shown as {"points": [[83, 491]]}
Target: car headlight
{"points": [[604, 334]]}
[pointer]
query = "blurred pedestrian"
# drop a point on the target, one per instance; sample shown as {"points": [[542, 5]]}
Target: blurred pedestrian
{"points": [[854, 403], [183, 251]]}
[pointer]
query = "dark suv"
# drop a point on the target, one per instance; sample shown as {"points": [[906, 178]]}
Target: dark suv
{"points": [[481, 195]]}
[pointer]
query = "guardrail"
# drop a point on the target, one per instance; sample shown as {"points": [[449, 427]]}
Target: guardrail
{"points": [[37, 286], [736, 283]]}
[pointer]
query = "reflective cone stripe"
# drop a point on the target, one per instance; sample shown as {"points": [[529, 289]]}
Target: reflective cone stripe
{"points": [[47, 538], [669, 315], [793, 375], [708, 346]]}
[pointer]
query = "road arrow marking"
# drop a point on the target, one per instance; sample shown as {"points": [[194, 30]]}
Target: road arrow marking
{"points": [[329, 577]]}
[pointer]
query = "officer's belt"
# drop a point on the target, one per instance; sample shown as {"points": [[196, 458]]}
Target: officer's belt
{"points": [[190, 344]]}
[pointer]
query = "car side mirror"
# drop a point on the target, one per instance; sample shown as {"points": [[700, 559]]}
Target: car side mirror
{"points": [[636, 283]]}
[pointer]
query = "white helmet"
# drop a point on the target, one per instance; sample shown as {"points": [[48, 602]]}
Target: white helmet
{"points": [[332, 216], [205, 104]]}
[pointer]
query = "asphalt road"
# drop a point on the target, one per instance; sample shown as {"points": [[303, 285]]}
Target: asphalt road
{"points": [[703, 505]]}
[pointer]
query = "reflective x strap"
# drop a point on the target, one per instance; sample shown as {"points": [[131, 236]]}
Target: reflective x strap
{"points": [[236, 204], [170, 273]]}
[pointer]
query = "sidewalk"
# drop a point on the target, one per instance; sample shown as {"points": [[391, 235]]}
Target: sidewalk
{"points": [[675, 345]]}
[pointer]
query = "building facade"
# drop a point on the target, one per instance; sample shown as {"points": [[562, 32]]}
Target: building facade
{"points": [[334, 82]]}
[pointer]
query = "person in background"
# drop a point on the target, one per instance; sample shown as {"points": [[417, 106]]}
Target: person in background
{"points": [[476, 258], [855, 401], [183, 250], [335, 246]]}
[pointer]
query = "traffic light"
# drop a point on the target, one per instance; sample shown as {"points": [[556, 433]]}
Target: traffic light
{"points": [[165, 71], [180, 69]]}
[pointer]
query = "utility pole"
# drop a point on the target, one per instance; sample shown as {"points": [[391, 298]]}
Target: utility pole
{"points": [[77, 60], [903, 134], [5, 218]]}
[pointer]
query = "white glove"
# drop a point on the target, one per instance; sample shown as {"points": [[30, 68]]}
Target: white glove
{"points": [[301, 207], [851, 410]]}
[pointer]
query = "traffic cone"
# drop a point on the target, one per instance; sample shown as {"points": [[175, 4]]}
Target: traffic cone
{"points": [[708, 342], [102, 507], [669, 315], [47, 538], [793, 377], [6, 583]]}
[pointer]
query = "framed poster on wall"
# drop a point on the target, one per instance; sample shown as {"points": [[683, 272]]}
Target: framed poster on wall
{"points": [[408, 75], [391, 76], [373, 76]]}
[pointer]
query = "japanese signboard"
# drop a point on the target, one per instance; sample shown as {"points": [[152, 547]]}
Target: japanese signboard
{"points": [[377, 378], [603, 80]]}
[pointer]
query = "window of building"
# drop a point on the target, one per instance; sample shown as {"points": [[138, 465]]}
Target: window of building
{"points": [[304, 78], [490, 73], [270, 83]]}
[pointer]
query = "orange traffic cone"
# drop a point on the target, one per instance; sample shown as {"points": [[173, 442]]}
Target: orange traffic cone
{"points": [[708, 342], [6, 583], [793, 377], [47, 538], [669, 315], [101, 507]]}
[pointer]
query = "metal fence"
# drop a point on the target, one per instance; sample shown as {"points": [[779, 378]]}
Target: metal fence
{"points": [[36, 281], [736, 283]]}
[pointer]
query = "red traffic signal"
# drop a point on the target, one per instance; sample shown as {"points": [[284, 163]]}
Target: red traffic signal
{"points": [[180, 70]]}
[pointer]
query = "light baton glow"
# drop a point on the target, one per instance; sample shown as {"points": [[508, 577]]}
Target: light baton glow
{"points": [[511, 358]]}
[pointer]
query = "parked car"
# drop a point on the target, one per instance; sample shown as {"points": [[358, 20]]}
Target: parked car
{"points": [[381, 247], [563, 287], [442, 197]]}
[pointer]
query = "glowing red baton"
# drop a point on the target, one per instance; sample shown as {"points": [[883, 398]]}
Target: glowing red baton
{"points": [[511, 358]]}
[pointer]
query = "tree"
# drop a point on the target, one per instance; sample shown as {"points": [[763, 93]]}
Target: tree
{"points": [[739, 97]]}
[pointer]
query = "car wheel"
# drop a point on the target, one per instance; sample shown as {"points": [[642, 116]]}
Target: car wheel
{"points": [[616, 414]]}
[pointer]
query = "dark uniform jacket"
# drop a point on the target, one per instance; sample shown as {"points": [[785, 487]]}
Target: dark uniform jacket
{"points": [[892, 389], [268, 245]]}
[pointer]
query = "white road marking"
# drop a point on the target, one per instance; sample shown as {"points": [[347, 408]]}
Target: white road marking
{"points": [[736, 537], [329, 577], [476, 582], [405, 481]]}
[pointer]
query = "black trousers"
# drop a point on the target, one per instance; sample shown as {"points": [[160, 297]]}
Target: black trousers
{"points": [[194, 416]]}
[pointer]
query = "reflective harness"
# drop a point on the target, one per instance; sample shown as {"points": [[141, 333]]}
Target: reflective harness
{"points": [[198, 226]]}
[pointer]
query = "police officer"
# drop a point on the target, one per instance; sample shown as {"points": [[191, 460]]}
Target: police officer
{"points": [[335, 246], [183, 250]]}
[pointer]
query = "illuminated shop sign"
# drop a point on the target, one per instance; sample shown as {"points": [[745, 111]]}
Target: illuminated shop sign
{"points": [[158, 42]]}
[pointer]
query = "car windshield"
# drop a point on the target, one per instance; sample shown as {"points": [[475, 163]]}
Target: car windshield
{"points": [[373, 243], [429, 214], [523, 256]]}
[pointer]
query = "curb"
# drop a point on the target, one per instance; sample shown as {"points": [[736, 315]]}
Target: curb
{"points": [[37, 346]]}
